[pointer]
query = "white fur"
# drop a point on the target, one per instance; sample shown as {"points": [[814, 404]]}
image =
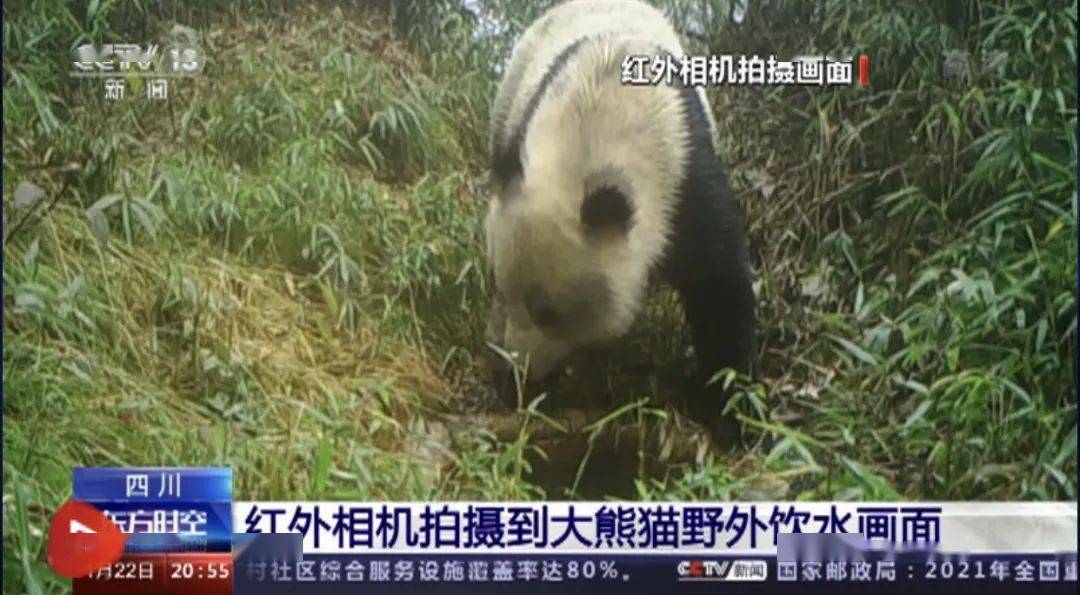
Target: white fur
{"points": [[586, 125], [560, 27]]}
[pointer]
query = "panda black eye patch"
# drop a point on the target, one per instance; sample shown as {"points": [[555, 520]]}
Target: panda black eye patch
{"points": [[541, 307], [606, 208]]}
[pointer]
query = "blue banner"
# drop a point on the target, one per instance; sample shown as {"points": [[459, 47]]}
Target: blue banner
{"points": [[172, 526], [162, 509], [153, 484]]}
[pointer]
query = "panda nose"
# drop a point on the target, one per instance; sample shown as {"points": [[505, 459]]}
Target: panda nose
{"points": [[541, 307]]}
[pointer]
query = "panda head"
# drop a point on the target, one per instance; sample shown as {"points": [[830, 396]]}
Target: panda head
{"points": [[566, 273]]}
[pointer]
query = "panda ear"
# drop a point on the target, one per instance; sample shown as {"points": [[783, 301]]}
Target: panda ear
{"points": [[607, 209], [506, 167]]}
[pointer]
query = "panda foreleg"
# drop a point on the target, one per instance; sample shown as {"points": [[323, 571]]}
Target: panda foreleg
{"points": [[709, 268], [708, 265], [719, 307]]}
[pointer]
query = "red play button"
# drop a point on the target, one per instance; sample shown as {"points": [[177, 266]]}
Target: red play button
{"points": [[82, 540]]}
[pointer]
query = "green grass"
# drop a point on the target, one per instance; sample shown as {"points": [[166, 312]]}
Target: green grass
{"points": [[281, 269]]}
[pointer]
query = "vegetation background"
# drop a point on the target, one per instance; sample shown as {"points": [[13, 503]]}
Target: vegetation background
{"points": [[280, 268]]}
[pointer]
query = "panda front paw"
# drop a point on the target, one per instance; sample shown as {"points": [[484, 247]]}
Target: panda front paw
{"points": [[706, 406]]}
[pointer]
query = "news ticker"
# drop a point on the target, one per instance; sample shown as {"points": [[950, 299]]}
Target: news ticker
{"points": [[178, 530]]}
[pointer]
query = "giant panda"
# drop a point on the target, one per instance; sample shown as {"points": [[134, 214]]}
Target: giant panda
{"points": [[601, 186]]}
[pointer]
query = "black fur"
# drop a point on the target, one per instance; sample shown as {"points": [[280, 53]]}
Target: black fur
{"points": [[708, 265], [506, 160], [506, 166], [607, 209], [541, 307]]}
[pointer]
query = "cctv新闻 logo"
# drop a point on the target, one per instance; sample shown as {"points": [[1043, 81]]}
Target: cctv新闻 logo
{"points": [[717, 570]]}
